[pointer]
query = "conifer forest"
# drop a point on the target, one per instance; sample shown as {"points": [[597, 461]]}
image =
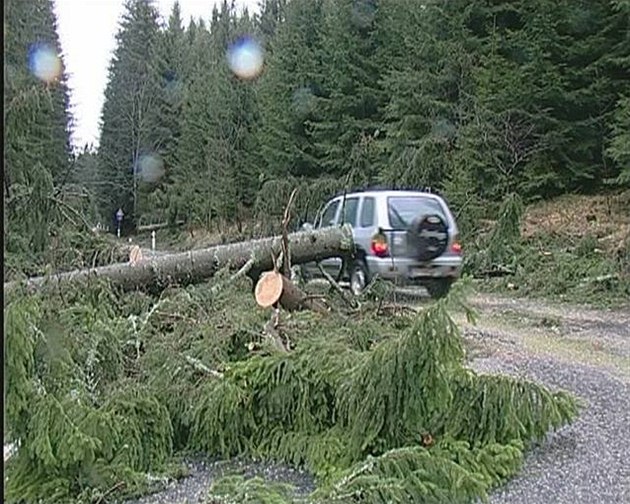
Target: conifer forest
{"points": [[503, 107]]}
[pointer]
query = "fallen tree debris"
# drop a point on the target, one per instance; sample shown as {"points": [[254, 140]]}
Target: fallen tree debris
{"points": [[196, 265], [200, 366], [135, 255], [286, 250], [497, 271], [352, 303], [378, 405], [239, 274]]}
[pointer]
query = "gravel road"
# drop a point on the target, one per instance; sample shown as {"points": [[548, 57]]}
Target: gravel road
{"points": [[584, 351], [194, 488]]}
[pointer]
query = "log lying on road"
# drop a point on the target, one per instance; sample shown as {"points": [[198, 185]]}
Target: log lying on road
{"points": [[196, 265]]}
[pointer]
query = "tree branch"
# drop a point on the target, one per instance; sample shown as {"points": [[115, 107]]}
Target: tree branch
{"points": [[286, 253]]}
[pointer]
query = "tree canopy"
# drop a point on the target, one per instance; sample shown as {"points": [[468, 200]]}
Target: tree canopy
{"points": [[475, 99]]}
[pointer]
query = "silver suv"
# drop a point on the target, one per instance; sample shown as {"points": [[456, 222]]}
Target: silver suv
{"points": [[409, 237]]}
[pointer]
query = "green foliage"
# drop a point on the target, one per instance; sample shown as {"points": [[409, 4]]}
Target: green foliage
{"points": [[75, 430], [215, 178], [580, 272], [477, 100], [289, 92], [502, 247], [311, 195], [490, 102], [40, 214], [427, 71], [401, 389], [450, 471], [619, 148], [104, 387], [500, 410], [347, 119]]}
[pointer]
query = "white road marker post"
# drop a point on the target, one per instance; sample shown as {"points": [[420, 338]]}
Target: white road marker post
{"points": [[119, 218]]}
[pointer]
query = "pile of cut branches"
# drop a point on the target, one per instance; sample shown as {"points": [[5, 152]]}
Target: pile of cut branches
{"points": [[104, 389]]}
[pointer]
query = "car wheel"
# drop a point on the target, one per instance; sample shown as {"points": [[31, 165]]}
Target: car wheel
{"points": [[359, 277], [439, 288]]}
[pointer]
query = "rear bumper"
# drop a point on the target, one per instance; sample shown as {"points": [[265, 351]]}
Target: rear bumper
{"points": [[408, 270]]}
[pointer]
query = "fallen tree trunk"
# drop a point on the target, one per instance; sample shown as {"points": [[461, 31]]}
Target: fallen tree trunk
{"points": [[193, 266]]}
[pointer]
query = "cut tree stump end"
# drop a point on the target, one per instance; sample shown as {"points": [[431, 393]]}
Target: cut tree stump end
{"points": [[269, 289]]}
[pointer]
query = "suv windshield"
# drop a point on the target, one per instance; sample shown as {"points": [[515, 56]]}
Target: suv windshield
{"points": [[402, 210]]}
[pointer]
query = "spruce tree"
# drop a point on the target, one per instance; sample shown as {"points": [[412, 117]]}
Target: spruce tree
{"points": [[130, 111], [546, 77], [289, 92], [190, 192], [272, 14], [217, 176], [348, 118], [425, 84], [619, 147], [36, 130], [619, 144], [85, 174], [172, 73]]}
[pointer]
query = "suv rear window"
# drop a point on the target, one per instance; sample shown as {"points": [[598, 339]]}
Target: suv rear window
{"points": [[402, 210]]}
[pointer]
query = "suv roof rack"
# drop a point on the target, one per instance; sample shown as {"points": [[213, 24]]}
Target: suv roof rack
{"points": [[389, 187]]}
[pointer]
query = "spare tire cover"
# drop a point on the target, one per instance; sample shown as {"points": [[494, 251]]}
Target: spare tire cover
{"points": [[427, 237]]}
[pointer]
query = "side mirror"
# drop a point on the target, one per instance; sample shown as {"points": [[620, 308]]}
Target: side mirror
{"points": [[307, 226]]}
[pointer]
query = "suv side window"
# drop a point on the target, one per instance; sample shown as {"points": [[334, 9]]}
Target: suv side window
{"points": [[350, 209], [329, 214], [367, 212]]}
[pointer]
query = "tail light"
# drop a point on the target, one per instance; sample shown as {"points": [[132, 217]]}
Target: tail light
{"points": [[456, 247], [379, 245]]}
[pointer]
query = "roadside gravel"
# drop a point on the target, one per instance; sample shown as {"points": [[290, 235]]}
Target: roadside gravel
{"points": [[586, 352], [585, 462], [194, 488]]}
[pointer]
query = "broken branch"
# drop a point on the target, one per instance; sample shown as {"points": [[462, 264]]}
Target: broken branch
{"points": [[286, 253], [200, 366], [337, 287]]}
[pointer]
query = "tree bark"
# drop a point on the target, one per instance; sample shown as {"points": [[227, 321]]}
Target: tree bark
{"points": [[196, 265]]}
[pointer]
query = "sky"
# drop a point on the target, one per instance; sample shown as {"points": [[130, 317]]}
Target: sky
{"points": [[87, 30]]}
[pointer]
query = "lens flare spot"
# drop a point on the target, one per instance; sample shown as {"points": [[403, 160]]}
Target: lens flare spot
{"points": [[304, 101], [245, 58], [151, 168], [44, 62], [363, 13], [443, 129]]}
